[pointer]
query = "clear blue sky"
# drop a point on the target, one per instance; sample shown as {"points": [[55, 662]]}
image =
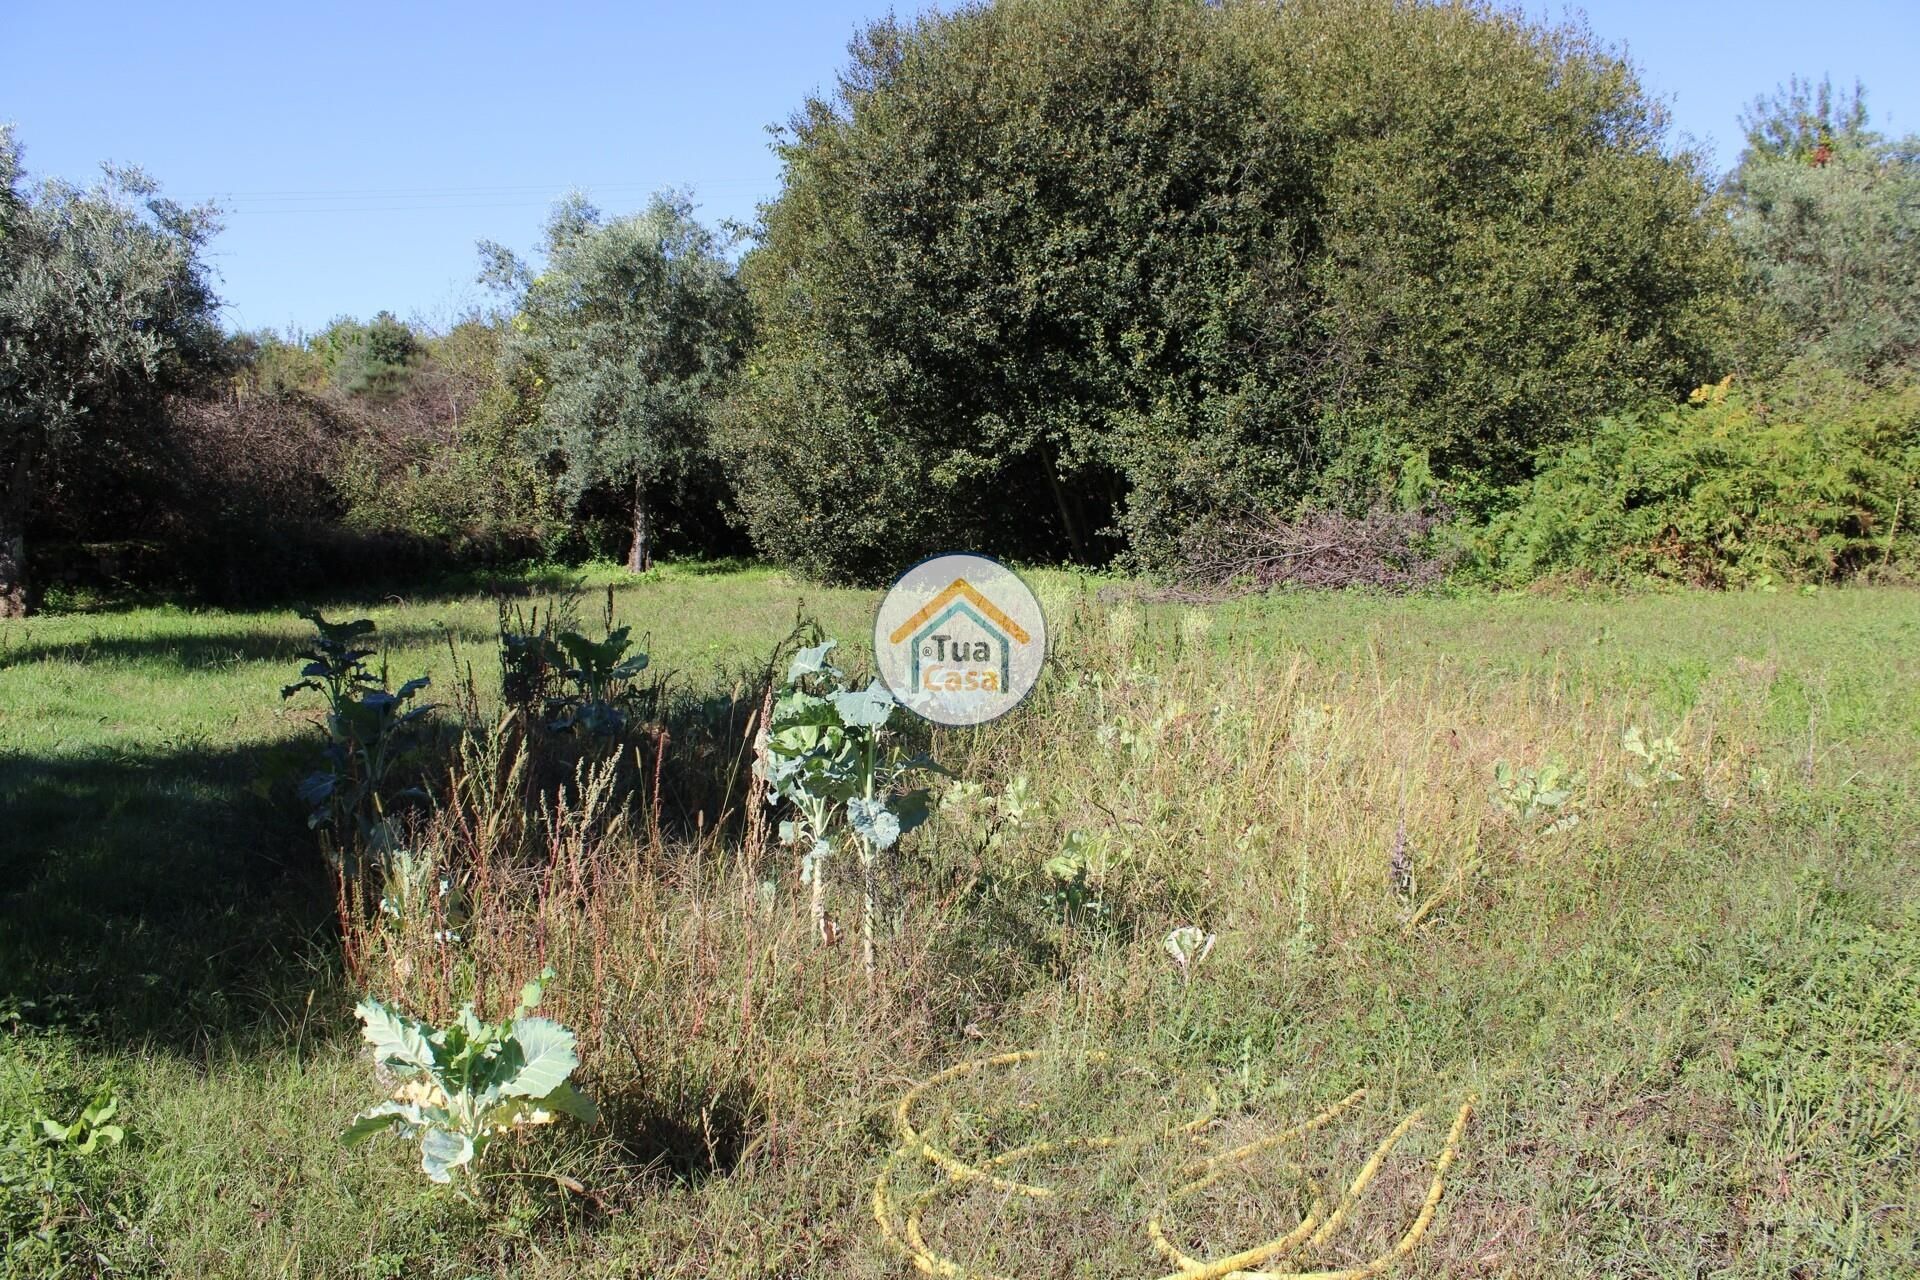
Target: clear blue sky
{"points": [[361, 150]]}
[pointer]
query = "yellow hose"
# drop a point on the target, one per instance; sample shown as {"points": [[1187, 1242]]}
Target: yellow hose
{"points": [[901, 1222]]}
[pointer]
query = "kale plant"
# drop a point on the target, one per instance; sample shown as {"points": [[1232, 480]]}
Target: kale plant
{"points": [[828, 754]]}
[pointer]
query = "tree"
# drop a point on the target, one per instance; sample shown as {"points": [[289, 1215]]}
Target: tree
{"points": [[1828, 212], [628, 331], [1062, 277], [105, 309], [371, 359], [1807, 122]]}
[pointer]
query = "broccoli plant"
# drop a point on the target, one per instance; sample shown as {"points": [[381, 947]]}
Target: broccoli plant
{"points": [[580, 685], [470, 1082], [600, 677], [828, 754], [372, 731]]}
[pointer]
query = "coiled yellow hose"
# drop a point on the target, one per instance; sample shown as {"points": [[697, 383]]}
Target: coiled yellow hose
{"points": [[901, 1221]]}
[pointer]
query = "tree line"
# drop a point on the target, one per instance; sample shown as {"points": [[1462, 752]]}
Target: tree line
{"points": [[1061, 280]]}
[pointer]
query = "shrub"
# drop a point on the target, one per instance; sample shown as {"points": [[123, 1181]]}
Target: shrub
{"points": [[1814, 480]]}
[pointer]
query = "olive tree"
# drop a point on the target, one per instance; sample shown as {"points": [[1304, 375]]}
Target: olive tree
{"points": [[627, 332], [1828, 211], [105, 309]]}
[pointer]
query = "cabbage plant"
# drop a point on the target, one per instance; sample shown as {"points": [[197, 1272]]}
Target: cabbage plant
{"points": [[470, 1082], [828, 756]]}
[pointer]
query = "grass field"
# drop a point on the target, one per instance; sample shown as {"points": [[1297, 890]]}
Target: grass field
{"points": [[1689, 1010]]}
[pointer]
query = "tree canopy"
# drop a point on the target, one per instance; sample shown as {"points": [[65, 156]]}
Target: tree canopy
{"points": [[1056, 277], [627, 331], [1828, 211], [105, 309]]}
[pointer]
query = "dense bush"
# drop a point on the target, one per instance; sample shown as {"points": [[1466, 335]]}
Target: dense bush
{"points": [[286, 478], [1815, 479], [1055, 277]]}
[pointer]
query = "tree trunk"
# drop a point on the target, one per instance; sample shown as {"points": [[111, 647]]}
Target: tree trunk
{"points": [[13, 572], [1067, 522], [640, 554], [13, 540]]}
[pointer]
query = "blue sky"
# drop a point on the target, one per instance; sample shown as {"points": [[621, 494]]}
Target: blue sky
{"points": [[361, 150]]}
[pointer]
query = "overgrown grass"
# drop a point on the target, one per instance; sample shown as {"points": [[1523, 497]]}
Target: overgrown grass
{"points": [[1690, 1016]]}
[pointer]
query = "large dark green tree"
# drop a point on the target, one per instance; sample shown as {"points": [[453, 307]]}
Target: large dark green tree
{"points": [[1059, 277], [627, 331], [105, 310]]}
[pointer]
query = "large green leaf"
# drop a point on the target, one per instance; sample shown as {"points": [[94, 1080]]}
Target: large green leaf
{"points": [[397, 1040], [547, 1058], [797, 707], [442, 1151], [812, 661], [569, 1101], [874, 822], [868, 708], [377, 1119]]}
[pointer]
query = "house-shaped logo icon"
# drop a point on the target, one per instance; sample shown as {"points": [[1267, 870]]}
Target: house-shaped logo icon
{"points": [[960, 641]]}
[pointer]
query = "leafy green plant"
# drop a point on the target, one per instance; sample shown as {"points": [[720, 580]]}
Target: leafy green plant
{"points": [[85, 1134], [1659, 758], [1072, 874], [581, 686], [469, 1082], [828, 755], [372, 732], [1539, 796], [51, 1180], [601, 675], [1189, 945]]}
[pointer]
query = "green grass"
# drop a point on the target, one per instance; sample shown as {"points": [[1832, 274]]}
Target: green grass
{"points": [[1692, 1020]]}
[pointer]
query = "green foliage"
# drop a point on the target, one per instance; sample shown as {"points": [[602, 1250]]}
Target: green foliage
{"points": [[602, 674], [1800, 119], [625, 333], [828, 755], [84, 1135], [1828, 212], [373, 359], [469, 1082], [1811, 480], [575, 684], [52, 1179], [1658, 758], [1539, 797], [1054, 277], [106, 309], [373, 733]]}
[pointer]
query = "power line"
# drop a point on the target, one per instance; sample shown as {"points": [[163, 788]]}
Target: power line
{"points": [[544, 191]]}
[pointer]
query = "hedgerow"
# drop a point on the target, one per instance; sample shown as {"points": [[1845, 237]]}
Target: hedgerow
{"points": [[1812, 479]]}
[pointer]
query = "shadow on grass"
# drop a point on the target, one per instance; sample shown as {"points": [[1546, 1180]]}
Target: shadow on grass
{"points": [[215, 650], [154, 900], [453, 585]]}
